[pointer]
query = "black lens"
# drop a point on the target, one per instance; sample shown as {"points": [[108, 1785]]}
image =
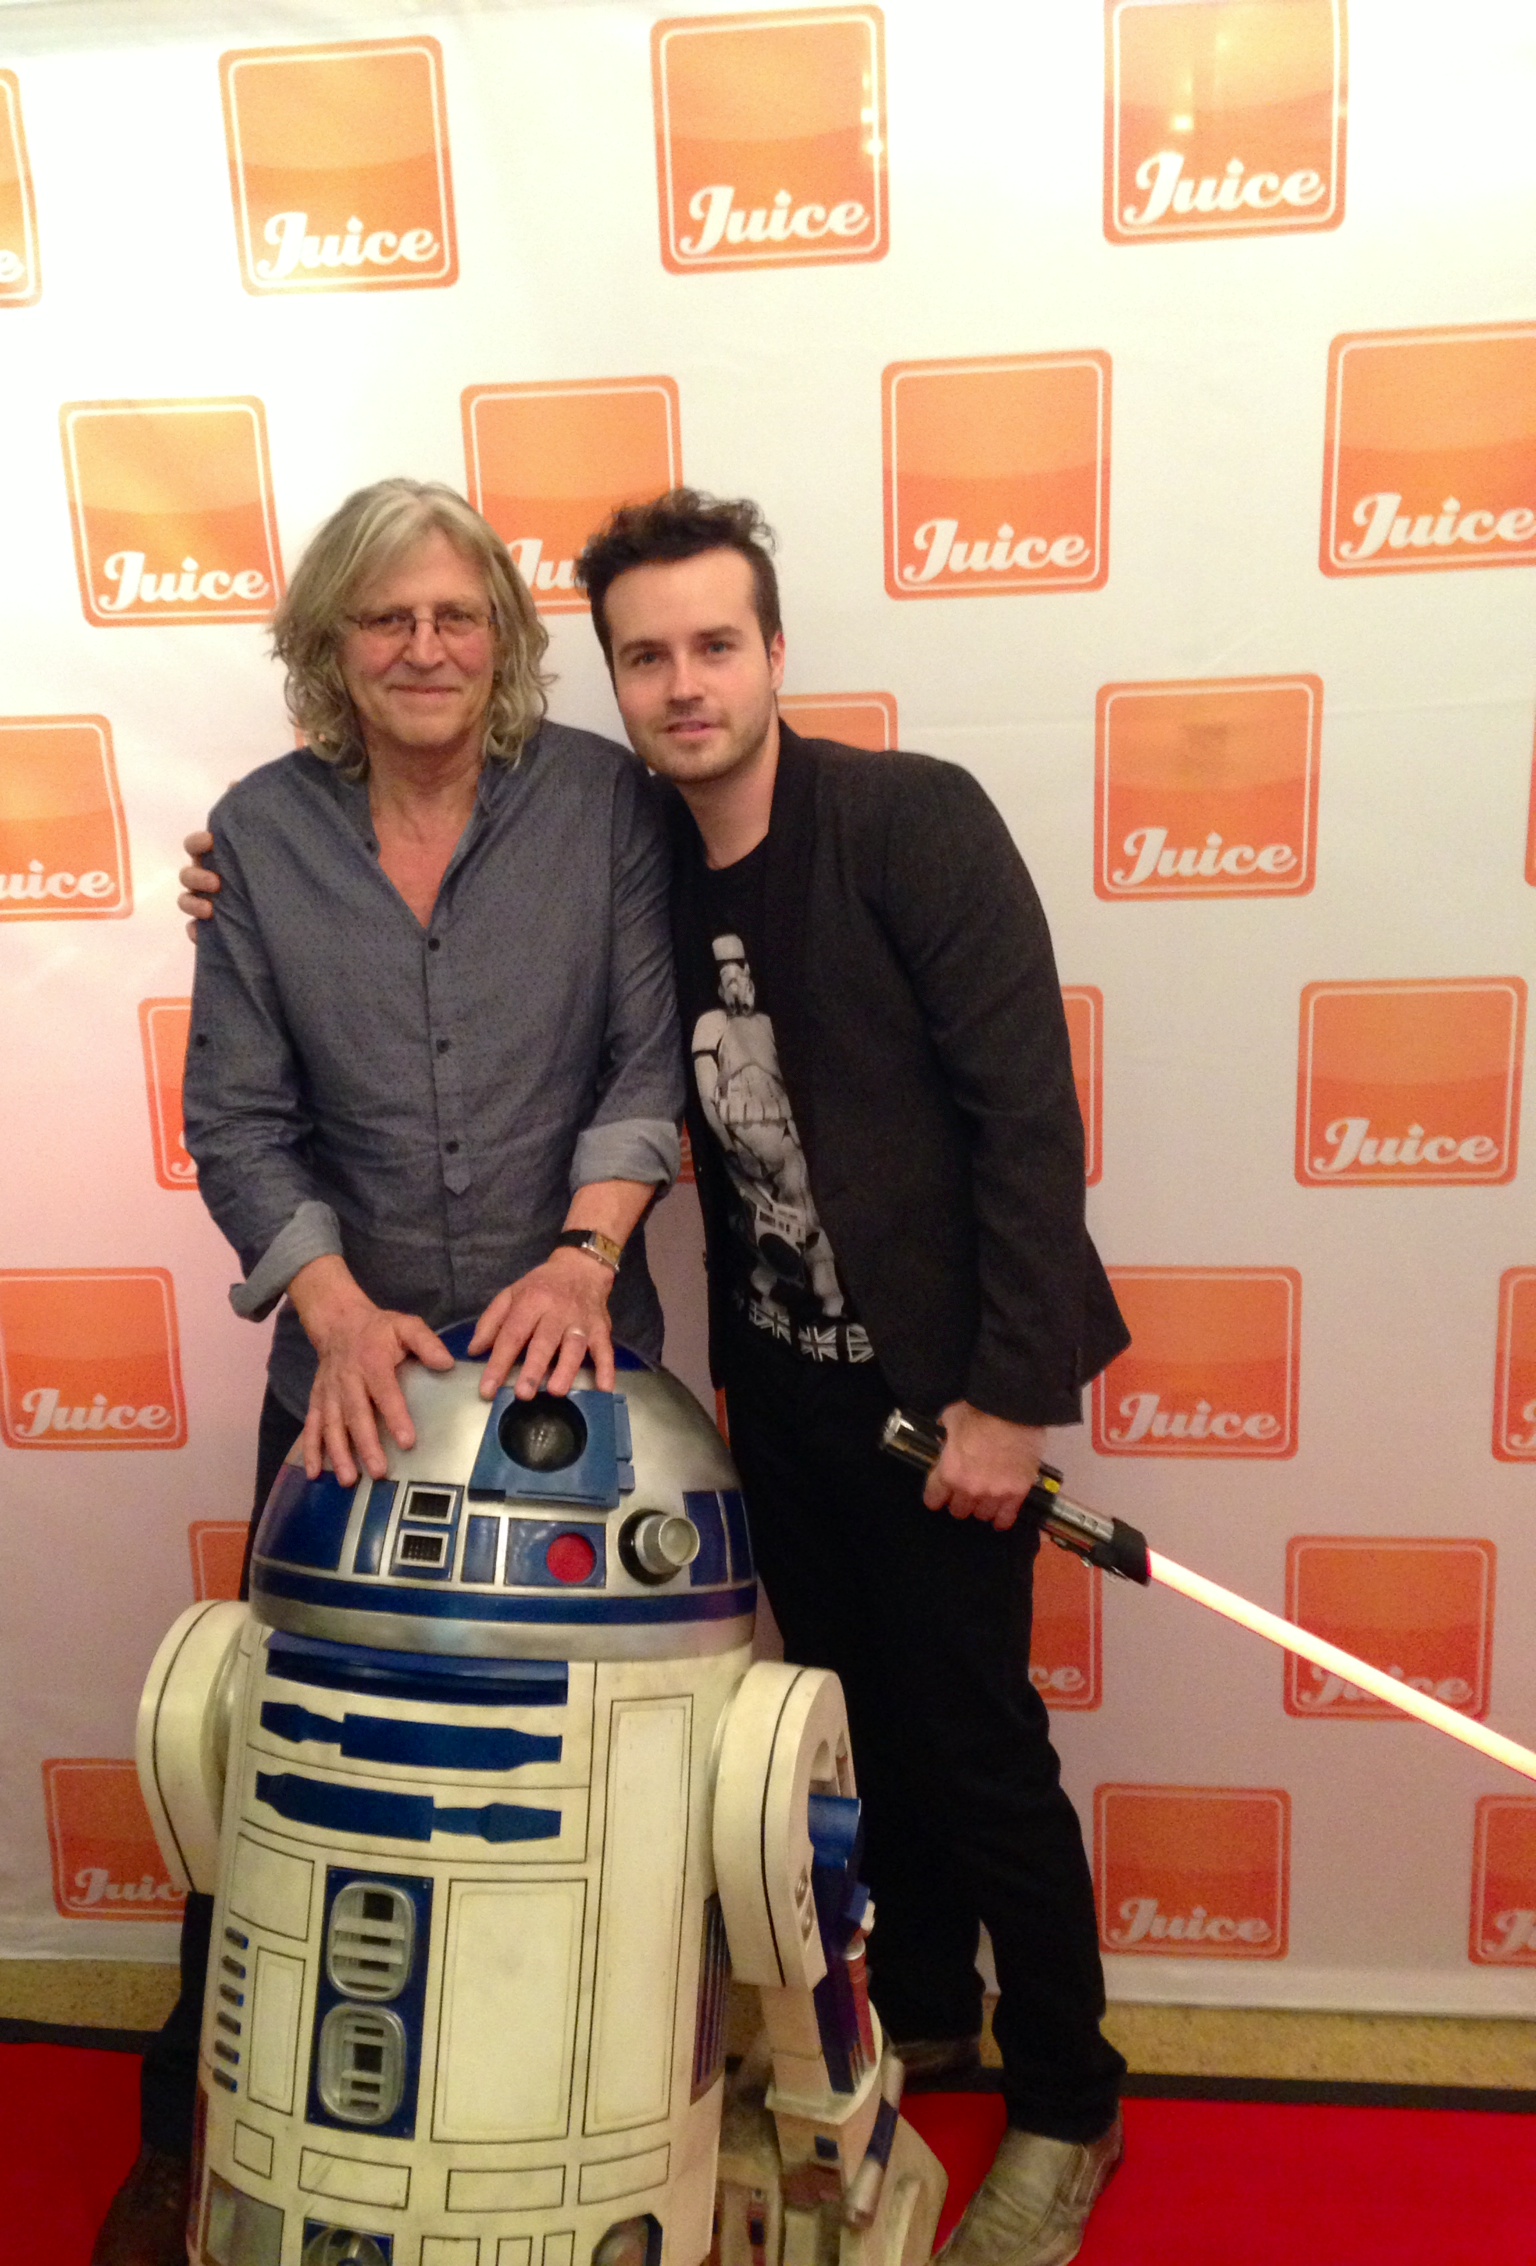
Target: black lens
{"points": [[544, 1434]]}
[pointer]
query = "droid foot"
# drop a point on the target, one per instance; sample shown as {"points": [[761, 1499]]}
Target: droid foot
{"points": [[1033, 2206], [147, 2222]]}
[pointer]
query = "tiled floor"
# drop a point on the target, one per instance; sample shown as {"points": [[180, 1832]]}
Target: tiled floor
{"points": [[1184, 2041]]}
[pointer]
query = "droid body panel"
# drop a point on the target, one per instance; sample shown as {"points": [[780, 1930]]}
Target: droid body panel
{"points": [[453, 1778]]}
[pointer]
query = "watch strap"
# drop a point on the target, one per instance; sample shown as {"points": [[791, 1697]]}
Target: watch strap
{"points": [[595, 1244]]}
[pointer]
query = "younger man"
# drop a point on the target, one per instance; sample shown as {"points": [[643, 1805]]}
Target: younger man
{"points": [[890, 1163]]}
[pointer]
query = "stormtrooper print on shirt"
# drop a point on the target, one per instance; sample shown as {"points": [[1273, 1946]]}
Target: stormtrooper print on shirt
{"points": [[787, 1280]]}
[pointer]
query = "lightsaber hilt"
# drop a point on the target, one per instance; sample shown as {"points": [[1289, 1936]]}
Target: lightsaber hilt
{"points": [[1110, 1543]]}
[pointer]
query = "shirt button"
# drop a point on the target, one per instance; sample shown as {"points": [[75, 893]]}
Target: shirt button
{"points": [[434, 944], [450, 1148], [442, 1046]]}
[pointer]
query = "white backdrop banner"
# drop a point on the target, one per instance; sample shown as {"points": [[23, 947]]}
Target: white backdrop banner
{"points": [[1145, 396]]}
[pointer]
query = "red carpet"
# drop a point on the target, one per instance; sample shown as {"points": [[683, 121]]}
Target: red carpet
{"points": [[69, 2129], [1205, 2183], [1239, 2183]]}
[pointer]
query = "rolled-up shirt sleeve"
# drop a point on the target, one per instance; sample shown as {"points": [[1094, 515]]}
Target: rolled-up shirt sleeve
{"points": [[633, 1132], [247, 1117]]}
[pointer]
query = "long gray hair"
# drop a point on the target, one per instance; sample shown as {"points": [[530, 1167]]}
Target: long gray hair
{"points": [[360, 541]]}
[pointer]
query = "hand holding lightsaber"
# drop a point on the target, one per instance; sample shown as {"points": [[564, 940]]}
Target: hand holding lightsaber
{"points": [[1110, 1543], [1122, 1550]]}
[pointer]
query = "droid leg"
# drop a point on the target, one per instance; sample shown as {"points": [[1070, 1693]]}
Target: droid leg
{"points": [[183, 1739], [816, 2163]]}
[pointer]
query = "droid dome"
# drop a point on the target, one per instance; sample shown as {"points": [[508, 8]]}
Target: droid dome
{"points": [[588, 1525]]}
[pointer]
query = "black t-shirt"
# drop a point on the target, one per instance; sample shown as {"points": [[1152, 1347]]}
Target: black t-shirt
{"points": [[783, 1274]]}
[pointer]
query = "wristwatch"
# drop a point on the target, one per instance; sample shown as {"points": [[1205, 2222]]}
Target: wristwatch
{"points": [[595, 1244]]}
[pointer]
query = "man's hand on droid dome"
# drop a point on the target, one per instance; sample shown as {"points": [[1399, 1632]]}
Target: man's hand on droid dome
{"points": [[556, 1316], [556, 1313], [987, 1468], [199, 882], [361, 1347]]}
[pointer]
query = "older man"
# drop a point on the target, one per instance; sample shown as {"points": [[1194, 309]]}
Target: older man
{"points": [[434, 1067]]}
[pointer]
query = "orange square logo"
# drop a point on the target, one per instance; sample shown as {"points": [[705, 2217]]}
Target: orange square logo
{"points": [[106, 1863], [89, 1358], [858, 719], [63, 839], [997, 475], [218, 1555], [1430, 459], [1503, 1930], [20, 279], [1193, 1872], [1514, 1404], [1213, 1364], [1084, 1008], [1066, 1643], [1222, 121], [770, 139], [1408, 1084], [338, 162], [172, 509], [163, 1028], [1420, 1610], [548, 463], [1207, 789]]}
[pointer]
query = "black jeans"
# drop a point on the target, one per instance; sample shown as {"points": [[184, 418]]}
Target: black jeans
{"points": [[168, 2081], [926, 1619]]}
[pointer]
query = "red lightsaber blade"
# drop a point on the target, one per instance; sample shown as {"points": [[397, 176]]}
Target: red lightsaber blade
{"points": [[1122, 1550]]}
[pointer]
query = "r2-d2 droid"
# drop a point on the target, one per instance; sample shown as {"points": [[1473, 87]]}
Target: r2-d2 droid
{"points": [[492, 1801]]}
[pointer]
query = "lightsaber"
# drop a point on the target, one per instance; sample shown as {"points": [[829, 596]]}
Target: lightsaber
{"points": [[1122, 1550]]}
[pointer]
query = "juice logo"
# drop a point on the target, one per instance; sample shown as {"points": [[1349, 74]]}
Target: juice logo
{"points": [[172, 509], [218, 1556], [1503, 1931], [1409, 1084], [163, 1028], [858, 719], [1430, 459], [338, 160], [1207, 789], [1193, 1872], [1213, 1366], [1421, 1610], [548, 463], [106, 1865], [770, 138], [1066, 1645], [63, 839], [89, 1358], [1084, 1008], [20, 279], [997, 475], [1514, 1401], [1222, 121]]}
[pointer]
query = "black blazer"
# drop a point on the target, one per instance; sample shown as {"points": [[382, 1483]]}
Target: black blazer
{"points": [[924, 1050]]}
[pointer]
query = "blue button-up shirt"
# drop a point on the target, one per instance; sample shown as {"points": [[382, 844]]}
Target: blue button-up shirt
{"points": [[423, 1100]]}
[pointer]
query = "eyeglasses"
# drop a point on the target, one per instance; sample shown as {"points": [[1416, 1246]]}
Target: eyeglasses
{"points": [[454, 626]]}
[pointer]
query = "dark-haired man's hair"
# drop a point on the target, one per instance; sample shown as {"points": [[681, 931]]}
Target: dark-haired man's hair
{"points": [[682, 524]]}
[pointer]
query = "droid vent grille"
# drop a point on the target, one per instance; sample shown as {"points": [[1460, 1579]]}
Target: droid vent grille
{"points": [[368, 1950], [362, 2064], [423, 1549], [430, 1503]]}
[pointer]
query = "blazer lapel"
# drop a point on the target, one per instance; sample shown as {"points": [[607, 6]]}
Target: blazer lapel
{"points": [[786, 919]]}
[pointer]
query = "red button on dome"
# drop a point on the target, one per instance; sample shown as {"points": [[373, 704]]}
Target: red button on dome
{"points": [[570, 1557]]}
